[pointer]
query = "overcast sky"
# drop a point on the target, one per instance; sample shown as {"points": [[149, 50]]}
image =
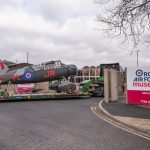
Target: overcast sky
{"points": [[64, 30]]}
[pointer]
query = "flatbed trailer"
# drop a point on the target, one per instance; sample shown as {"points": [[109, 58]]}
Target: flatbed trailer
{"points": [[47, 96]]}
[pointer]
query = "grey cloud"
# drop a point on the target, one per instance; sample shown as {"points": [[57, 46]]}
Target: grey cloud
{"points": [[10, 2], [60, 10], [75, 40], [51, 9]]}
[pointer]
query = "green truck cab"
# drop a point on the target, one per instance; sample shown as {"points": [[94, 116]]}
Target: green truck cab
{"points": [[96, 87]]}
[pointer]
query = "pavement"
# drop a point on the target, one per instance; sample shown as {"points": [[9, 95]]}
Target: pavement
{"points": [[132, 115]]}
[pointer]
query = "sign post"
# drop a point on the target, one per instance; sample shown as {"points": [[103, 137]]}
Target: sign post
{"points": [[138, 85]]}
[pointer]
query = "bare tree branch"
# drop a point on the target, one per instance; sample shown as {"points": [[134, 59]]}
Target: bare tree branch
{"points": [[130, 18]]}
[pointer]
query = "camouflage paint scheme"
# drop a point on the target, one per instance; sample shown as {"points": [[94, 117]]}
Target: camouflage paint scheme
{"points": [[30, 75]]}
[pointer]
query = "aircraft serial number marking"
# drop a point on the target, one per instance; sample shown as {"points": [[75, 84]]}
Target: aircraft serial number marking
{"points": [[50, 73]]}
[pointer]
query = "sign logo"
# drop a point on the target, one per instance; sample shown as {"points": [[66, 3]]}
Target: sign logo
{"points": [[138, 85], [141, 79], [139, 73]]}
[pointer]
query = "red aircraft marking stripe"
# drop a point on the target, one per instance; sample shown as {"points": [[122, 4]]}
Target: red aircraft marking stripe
{"points": [[15, 77], [2, 66]]}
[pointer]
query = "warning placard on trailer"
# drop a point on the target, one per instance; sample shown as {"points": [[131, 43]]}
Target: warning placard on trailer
{"points": [[138, 85]]}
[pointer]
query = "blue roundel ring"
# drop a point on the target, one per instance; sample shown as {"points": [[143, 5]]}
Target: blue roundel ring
{"points": [[28, 75], [139, 72]]}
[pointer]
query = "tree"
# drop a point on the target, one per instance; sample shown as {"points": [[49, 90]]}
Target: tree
{"points": [[130, 18]]}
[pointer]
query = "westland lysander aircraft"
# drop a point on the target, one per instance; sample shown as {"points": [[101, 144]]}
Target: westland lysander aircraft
{"points": [[36, 73]]}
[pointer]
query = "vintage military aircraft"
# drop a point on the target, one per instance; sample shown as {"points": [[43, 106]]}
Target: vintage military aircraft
{"points": [[36, 73]]}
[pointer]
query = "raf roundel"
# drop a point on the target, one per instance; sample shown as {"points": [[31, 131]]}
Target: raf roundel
{"points": [[28, 75], [139, 72]]}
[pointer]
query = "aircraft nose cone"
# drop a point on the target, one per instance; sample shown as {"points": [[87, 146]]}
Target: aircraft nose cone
{"points": [[72, 69]]}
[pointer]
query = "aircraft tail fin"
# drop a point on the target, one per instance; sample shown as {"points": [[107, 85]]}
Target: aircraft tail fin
{"points": [[3, 68]]}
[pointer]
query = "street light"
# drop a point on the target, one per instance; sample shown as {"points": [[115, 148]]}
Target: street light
{"points": [[137, 54], [27, 57]]}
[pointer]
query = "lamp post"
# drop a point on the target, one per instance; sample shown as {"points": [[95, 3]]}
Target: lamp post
{"points": [[137, 54], [27, 57]]}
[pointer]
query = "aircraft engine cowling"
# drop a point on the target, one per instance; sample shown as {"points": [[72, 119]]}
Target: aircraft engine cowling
{"points": [[72, 70]]}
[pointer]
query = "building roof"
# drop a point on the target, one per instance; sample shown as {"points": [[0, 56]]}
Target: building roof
{"points": [[8, 62]]}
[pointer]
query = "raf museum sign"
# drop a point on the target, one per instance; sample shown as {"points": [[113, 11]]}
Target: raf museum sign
{"points": [[138, 86]]}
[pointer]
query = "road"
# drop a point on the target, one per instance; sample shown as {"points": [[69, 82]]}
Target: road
{"points": [[61, 125]]}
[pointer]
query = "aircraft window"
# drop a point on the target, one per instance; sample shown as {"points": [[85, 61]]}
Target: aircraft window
{"points": [[21, 71], [51, 65], [38, 67], [47, 66], [57, 64], [54, 65]]}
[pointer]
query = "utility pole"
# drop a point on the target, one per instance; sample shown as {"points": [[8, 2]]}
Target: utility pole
{"points": [[27, 57], [137, 54]]}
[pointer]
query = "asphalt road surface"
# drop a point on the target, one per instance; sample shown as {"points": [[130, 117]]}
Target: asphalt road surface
{"points": [[61, 125]]}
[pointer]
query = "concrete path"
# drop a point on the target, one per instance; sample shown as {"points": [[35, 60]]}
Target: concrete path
{"points": [[132, 115]]}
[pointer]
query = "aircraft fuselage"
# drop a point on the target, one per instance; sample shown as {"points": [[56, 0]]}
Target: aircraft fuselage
{"points": [[31, 76]]}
